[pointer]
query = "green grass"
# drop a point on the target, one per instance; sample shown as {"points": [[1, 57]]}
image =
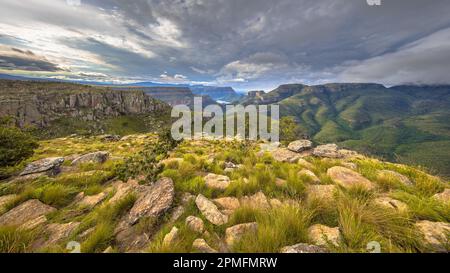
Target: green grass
{"points": [[14, 240]]}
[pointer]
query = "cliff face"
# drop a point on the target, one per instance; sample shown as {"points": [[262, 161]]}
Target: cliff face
{"points": [[37, 103]]}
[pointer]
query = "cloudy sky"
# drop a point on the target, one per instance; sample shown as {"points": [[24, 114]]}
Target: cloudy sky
{"points": [[247, 44]]}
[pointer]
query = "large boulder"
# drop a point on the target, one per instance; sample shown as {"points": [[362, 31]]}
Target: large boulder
{"points": [[256, 201], [235, 233], [386, 174], [303, 248], [300, 146], [210, 211], [201, 246], [328, 150], [49, 166], [348, 178], [285, 155], [155, 201], [322, 235], [320, 192], [228, 203], [24, 213], [215, 181], [444, 197], [195, 224], [96, 157], [436, 234]]}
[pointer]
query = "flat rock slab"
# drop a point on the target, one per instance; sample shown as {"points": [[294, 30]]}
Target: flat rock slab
{"points": [[328, 150], [235, 233], [154, 202], [303, 248], [47, 165], [90, 201], [210, 211], [96, 157], [348, 178], [216, 181], [58, 232], [28, 211]]}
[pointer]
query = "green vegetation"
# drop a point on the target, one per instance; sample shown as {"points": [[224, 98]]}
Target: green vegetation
{"points": [[14, 240]]}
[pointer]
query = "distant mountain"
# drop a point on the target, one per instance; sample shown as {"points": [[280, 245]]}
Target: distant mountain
{"points": [[405, 123], [219, 94]]}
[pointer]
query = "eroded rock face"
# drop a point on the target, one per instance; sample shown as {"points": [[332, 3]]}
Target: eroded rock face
{"points": [[156, 200], [389, 203], [235, 233], [28, 211], [300, 146], [444, 197], [201, 246], [96, 157], [195, 224], [386, 174], [210, 211], [436, 234], [215, 181], [48, 166], [303, 248], [348, 178], [322, 235]]}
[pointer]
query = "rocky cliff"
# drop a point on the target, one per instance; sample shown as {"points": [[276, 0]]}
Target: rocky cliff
{"points": [[40, 103]]}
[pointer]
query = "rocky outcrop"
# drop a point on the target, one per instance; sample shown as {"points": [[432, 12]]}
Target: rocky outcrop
{"points": [[95, 157], [49, 166], [348, 178], [210, 211], [40, 103], [24, 213]]}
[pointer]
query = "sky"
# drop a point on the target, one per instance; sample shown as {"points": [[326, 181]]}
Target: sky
{"points": [[245, 44]]}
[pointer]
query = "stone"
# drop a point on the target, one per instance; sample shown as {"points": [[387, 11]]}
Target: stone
{"points": [[90, 201], [321, 192], [300, 146], [390, 203], [235, 233], [58, 232], [25, 212], [109, 250], [328, 151], [171, 237], [386, 174], [96, 157], [201, 246], [155, 201], [257, 201], [215, 181], [34, 223], [186, 198], [195, 224], [303, 248], [29, 177], [305, 163], [210, 211], [312, 176], [285, 155], [280, 182], [350, 165], [49, 166], [275, 203], [230, 165], [436, 234], [348, 178], [121, 191], [176, 214], [228, 203], [322, 235], [443, 197], [110, 138]]}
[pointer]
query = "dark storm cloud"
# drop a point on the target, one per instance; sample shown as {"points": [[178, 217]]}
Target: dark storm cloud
{"points": [[247, 44], [16, 59]]}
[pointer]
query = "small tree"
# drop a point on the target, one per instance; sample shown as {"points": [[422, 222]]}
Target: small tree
{"points": [[15, 146], [289, 129]]}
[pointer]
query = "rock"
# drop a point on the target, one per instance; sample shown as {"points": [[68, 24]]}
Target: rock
{"points": [[314, 179], [108, 250], [284, 155], [122, 190], [34, 223], [303, 248], [171, 161], [257, 201], [280, 182], [210, 211], [30, 210], [186, 198], [348, 154], [386, 174], [176, 214], [5, 199], [228, 203], [96, 157], [230, 165], [275, 203], [300, 146], [195, 224], [348, 178], [90, 201], [444, 197], [322, 235], [328, 150], [215, 181], [305, 163], [201, 246], [34, 176], [321, 192], [390, 203], [235, 233], [436, 234], [156, 200], [110, 138], [58, 232], [50, 166], [350, 165], [171, 237]]}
